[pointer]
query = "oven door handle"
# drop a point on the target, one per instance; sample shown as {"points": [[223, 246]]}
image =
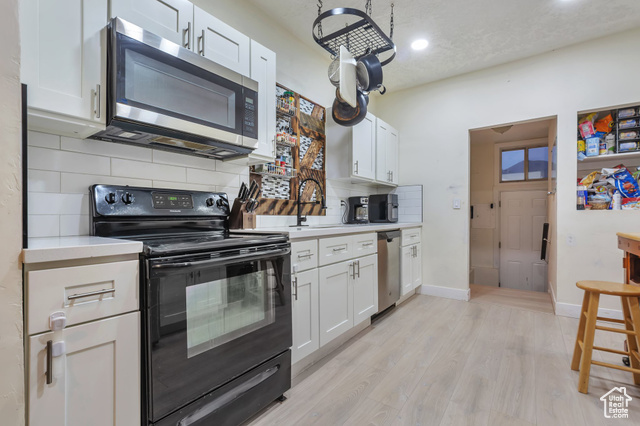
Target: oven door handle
{"points": [[225, 260]]}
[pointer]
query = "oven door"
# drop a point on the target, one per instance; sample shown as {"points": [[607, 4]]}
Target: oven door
{"points": [[158, 83], [212, 317]]}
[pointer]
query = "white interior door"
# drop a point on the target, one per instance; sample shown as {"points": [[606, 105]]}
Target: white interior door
{"points": [[522, 216]]}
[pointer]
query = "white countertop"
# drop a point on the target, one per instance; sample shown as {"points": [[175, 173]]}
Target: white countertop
{"points": [[298, 233], [54, 249]]}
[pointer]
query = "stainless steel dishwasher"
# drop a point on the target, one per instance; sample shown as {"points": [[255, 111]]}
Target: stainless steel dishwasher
{"points": [[388, 268]]}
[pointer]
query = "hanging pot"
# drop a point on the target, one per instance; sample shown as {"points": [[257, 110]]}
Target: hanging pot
{"points": [[369, 73], [346, 115]]}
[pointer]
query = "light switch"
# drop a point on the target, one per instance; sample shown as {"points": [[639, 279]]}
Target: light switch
{"points": [[456, 203]]}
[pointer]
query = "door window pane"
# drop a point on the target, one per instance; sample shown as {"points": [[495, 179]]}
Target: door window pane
{"points": [[512, 165], [538, 163]]}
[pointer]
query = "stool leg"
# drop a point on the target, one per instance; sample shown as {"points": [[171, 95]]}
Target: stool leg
{"points": [[577, 352], [589, 333], [633, 313]]}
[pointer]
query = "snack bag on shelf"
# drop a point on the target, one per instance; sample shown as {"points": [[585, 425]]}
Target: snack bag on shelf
{"points": [[586, 126], [588, 180], [630, 203], [627, 112], [582, 150], [605, 124], [623, 181]]}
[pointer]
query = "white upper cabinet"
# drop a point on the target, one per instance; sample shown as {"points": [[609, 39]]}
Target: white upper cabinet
{"points": [[221, 43], [169, 19], [387, 153], [63, 63], [263, 70], [352, 153]]}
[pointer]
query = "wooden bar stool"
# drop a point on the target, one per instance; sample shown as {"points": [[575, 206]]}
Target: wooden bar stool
{"points": [[586, 330]]}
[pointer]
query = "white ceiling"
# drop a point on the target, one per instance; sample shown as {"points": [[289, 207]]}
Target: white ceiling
{"points": [[468, 35]]}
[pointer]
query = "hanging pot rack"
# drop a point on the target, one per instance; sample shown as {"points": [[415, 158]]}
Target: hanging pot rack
{"points": [[360, 38]]}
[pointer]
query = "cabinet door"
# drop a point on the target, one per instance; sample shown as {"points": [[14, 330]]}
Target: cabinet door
{"points": [[222, 44], [392, 154], [97, 381], [406, 259], [416, 266], [363, 148], [336, 300], [382, 169], [306, 327], [170, 19], [263, 70], [365, 289], [63, 57]]}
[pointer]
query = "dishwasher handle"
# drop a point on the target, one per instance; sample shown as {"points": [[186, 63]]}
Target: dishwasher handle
{"points": [[389, 235]]}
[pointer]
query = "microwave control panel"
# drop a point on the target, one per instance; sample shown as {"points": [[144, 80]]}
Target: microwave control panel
{"points": [[250, 119]]}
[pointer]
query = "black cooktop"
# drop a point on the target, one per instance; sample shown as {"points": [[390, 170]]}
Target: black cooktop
{"points": [[204, 241]]}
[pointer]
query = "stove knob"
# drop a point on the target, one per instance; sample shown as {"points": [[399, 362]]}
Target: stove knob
{"points": [[110, 198], [209, 202], [127, 198], [222, 203]]}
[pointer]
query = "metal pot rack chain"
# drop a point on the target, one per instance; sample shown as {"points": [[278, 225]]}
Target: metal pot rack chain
{"points": [[361, 38]]}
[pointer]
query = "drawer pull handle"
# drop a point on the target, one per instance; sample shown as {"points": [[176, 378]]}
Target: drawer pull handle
{"points": [[302, 256], [91, 293], [367, 244], [49, 362], [338, 249]]}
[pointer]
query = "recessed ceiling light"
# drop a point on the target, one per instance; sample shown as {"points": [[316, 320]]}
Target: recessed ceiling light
{"points": [[419, 44]]}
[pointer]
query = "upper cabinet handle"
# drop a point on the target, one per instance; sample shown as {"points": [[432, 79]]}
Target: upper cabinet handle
{"points": [[96, 110], [201, 39], [186, 36]]}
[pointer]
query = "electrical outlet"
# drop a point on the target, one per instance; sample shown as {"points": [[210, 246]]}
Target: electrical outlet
{"points": [[456, 203], [571, 240]]}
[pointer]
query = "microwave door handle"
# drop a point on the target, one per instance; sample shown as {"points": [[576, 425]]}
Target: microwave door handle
{"points": [[225, 260]]}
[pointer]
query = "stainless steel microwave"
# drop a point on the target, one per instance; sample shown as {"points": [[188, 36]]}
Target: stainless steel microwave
{"points": [[164, 96]]}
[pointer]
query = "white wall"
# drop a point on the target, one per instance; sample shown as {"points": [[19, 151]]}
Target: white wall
{"points": [[434, 121], [11, 336]]}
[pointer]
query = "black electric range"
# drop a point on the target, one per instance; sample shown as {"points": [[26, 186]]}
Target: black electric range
{"points": [[215, 305]]}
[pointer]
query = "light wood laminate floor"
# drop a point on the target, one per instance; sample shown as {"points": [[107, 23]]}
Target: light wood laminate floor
{"points": [[435, 361], [519, 299]]}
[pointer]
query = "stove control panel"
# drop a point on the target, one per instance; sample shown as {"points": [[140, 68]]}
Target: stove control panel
{"points": [[111, 200], [172, 201]]}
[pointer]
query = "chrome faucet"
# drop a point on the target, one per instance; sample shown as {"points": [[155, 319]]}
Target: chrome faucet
{"points": [[301, 219]]}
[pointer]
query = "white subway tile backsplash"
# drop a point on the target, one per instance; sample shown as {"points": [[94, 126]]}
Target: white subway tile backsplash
{"points": [[45, 203], [182, 185], [71, 225], [76, 183], [233, 166], [205, 177], [43, 140], [65, 161], [165, 157], [43, 181], [108, 149], [142, 170], [43, 225]]}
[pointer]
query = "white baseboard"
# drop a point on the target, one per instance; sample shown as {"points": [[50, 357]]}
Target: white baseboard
{"points": [[446, 292], [573, 311]]}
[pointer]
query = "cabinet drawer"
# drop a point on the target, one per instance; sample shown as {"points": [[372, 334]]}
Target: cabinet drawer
{"points": [[83, 293], [410, 236], [304, 255], [365, 244], [337, 249]]}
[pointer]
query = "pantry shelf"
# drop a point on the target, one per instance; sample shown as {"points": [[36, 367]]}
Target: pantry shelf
{"points": [[618, 156]]}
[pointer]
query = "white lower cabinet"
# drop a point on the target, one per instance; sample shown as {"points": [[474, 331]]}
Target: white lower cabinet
{"points": [[97, 379], [348, 295], [365, 289], [306, 328], [410, 268], [336, 300]]}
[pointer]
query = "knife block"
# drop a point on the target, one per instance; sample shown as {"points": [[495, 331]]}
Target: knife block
{"points": [[239, 218]]}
